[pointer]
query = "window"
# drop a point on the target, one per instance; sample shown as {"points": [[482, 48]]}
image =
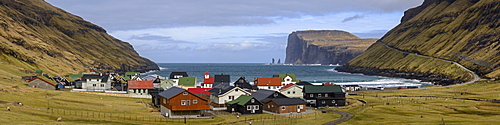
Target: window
{"points": [[253, 100], [187, 102], [288, 92], [333, 101], [249, 107], [94, 85], [195, 101], [268, 105], [236, 90], [269, 87], [275, 94], [282, 107], [102, 85], [300, 107], [183, 102], [319, 95], [326, 95], [164, 100], [293, 92], [323, 102], [231, 97], [256, 107], [311, 95], [185, 93]]}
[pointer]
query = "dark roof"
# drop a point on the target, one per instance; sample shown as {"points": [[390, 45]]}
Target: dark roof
{"points": [[104, 78], [171, 92], [322, 88], [220, 89], [222, 78], [303, 83], [242, 83], [264, 94], [184, 74], [242, 100], [289, 101]]}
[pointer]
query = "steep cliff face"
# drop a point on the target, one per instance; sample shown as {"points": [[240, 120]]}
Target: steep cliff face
{"points": [[463, 31], [35, 35], [324, 47]]}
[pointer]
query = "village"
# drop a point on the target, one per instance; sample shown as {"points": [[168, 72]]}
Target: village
{"points": [[180, 96]]}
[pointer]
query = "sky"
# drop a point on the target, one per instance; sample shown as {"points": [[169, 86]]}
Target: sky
{"points": [[231, 31]]}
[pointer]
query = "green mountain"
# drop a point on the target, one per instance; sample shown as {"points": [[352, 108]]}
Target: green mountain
{"points": [[463, 31], [324, 47], [35, 35]]}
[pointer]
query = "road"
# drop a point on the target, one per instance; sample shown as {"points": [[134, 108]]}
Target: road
{"points": [[345, 116]]}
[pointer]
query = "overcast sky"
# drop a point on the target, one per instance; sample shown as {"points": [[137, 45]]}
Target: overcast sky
{"points": [[231, 31]]}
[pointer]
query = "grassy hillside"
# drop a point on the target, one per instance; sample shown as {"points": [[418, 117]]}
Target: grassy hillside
{"points": [[37, 36], [462, 31]]}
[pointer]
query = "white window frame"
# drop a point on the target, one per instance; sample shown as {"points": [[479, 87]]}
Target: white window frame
{"points": [[301, 107], [183, 102], [283, 107], [256, 107], [249, 107], [184, 93], [319, 95], [195, 101]]}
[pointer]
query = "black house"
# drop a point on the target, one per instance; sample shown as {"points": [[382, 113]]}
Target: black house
{"points": [[177, 75], [221, 79], [265, 95], [324, 95], [245, 105], [243, 84]]}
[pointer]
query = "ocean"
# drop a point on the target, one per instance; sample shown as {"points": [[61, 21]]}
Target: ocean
{"points": [[310, 73]]}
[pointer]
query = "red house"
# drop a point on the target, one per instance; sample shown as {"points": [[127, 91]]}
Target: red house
{"points": [[202, 92], [207, 81], [180, 103]]}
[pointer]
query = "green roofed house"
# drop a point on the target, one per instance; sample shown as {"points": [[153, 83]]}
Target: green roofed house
{"points": [[287, 79], [324, 95], [132, 76], [187, 81], [245, 105]]}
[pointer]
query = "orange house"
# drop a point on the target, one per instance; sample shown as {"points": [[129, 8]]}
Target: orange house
{"points": [[179, 103]]}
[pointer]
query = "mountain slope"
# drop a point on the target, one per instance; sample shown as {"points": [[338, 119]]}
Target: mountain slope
{"points": [[463, 31], [324, 47], [36, 35]]}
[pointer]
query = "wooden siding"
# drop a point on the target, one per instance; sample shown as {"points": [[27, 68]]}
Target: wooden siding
{"points": [[273, 107], [174, 103]]}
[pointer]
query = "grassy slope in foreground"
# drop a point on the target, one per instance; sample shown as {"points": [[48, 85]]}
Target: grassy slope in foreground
{"points": [[454, 105]]}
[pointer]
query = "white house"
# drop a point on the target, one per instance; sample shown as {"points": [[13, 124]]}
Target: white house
{"points": [[292, 91], [93, 82], [221, 94]]}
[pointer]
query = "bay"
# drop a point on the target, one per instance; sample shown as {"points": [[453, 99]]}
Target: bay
{"points": [[309, 73]]}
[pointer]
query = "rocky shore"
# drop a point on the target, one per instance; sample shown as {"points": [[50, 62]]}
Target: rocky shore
{"points": [[425, 77]]}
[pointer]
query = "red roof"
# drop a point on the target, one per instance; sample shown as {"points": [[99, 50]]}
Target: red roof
{"points": [[136, 84], [287, 86], [268, 81], [206, 73], [200, 91], [329, 83]]}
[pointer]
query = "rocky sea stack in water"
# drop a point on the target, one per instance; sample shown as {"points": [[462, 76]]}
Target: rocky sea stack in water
{"points": [[324, 47], [433, 34], [35, 35]]}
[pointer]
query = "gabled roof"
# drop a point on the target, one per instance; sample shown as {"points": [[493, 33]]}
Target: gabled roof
{"points": [[132, 73], [263, 94], [45, 79], [171, 92], [303, 83], [183, 74], [222, 78], [288, 101], [136, 84], [200, 91], [220, 89], [282, 76], [76, 76], [187, 81], [286, 86], [210, 80], [103, 78], [268, 81], [242, 100], [322, 88]]}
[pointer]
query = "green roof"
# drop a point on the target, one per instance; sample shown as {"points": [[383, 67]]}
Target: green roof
{"points": [[242, 100], [132, 73], [75, 76], [294, 77], [187, 81], [322, 88]]}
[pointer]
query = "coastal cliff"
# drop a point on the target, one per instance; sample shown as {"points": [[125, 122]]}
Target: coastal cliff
{"points": [[35, 35], [324, 47], [431, 36]]}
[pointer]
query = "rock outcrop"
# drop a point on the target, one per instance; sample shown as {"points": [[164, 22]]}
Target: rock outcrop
{"points": [[463, 31], [35, 35], [324, 47]]}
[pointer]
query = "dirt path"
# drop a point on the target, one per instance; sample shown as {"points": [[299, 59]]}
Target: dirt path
{"points": [[345, 116]]}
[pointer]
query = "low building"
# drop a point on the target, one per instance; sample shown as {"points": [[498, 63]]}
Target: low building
{"points": [[93, 82], [292, 91], [43, 83], [179, 103], [285, 105], [324, 95], [140, 87], [208, 81], [265, 95], [270, 83], [245, 105], [221, 94]]}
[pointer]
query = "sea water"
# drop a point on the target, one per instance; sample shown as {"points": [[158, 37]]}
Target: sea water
{"points": [[310, 73]]}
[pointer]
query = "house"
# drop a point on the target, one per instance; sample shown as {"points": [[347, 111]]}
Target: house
{"points": [[291, 90], [221, 94], [207, 81], [324, 95], [140, 87], [93, 82], [43, 83], [186, 82], [166, 84], [285, 105], [270, 83], [201, 92], [153, 77], [243, 83], [265, 95], [176, 75], [287, 78], [132, 76], [245, 105], [303, 83], [177, 102], [222, 79]]}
